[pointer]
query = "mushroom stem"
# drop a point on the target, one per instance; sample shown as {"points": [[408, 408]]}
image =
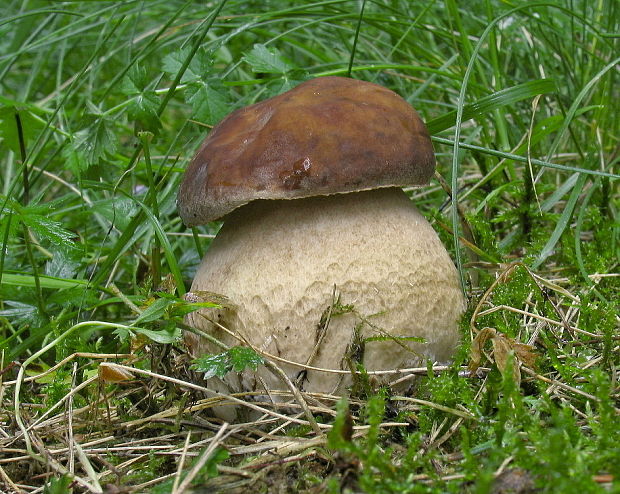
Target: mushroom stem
{"points": [[278, 261]]}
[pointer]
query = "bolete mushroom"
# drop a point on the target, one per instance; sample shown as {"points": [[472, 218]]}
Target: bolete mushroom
{"points": [[309, 183]]}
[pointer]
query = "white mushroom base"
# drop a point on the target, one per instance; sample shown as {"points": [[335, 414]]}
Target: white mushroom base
{"points": [[279, 261]]}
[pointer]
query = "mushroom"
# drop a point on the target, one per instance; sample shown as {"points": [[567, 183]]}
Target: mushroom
{"points": [[309, 183]]}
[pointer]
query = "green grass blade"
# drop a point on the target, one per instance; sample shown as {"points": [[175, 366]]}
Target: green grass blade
{"points": [[562, 223], [492, 102], [50, 282]]}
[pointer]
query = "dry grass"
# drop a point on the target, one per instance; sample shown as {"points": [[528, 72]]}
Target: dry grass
{"points": [[140, 428]]}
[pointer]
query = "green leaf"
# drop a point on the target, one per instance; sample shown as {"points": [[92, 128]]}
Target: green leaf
{"points": [[496, 192], [65, 262], [285, 83], [209, 103], [41, 225], [49, 229], [74, 160], [234, 359], [217, 457], [198, 69], [143, 109], [183, 308], [90, 144], [27, 280], [31, 126], [18, 313], [144, 103], [486, 105], [58, 485], [173, 62], [135, 81], [117, 211], [268, 60], [242, 357], [213, 365], [154, 311], [8, 220], [562, 223], [164, 336], [339, 436]]}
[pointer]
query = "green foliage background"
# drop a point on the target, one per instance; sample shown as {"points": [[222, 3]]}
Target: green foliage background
{"points": [[103, 103]]}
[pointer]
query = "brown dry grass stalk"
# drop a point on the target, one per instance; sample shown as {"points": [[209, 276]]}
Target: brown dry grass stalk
{"points": [[146, 416]]}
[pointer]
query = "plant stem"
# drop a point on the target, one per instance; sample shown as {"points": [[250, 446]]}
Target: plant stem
{"points": [[357, 33], [145, 138]]}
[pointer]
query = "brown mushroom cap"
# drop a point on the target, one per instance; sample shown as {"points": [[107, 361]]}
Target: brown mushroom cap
{"points": [[326, 136]]}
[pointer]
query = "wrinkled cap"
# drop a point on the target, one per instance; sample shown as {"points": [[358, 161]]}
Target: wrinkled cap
{"points": [[329, 135]]}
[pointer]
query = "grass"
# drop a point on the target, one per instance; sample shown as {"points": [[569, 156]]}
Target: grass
{"points": [[102, 105]]}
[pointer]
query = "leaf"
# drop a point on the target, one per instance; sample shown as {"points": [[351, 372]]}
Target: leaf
{"points": [[503, 355], [143, 109], [9, 221], [75, 162], [88, 145], [218, 300], [184, 308], [31, 126], [49, 229], [562, 223], [144, 103], [164, 336], [154, 311], [285, 83], [217, 457], [44, 281], [20, 313], [209, 103], [235, 359], [65, 262], [77, 296], [32, 217], [477, 345], [135, 81], [496, 192], [198, 69], [212, 365], [242, 357], [507, 353], [491, 102], [110, 373], [117, 211], [340, 435], [58, 485], [173, 62], [268, 60]]}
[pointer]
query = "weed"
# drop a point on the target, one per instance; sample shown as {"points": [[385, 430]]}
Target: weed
{"points": [[102, 106]]}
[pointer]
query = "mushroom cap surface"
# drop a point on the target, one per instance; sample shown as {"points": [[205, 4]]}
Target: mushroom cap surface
{"points": [[326, 136]]}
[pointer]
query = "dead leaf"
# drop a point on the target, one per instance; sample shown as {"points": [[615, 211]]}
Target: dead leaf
{"points": [[503, 355], [477, 346], [204, 296], [111, 373], [505, 350], [167, 284]]}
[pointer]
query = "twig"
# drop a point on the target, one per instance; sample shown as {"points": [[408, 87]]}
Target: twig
{"points": [[177, 478], [458, 413], [201, 461]]}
